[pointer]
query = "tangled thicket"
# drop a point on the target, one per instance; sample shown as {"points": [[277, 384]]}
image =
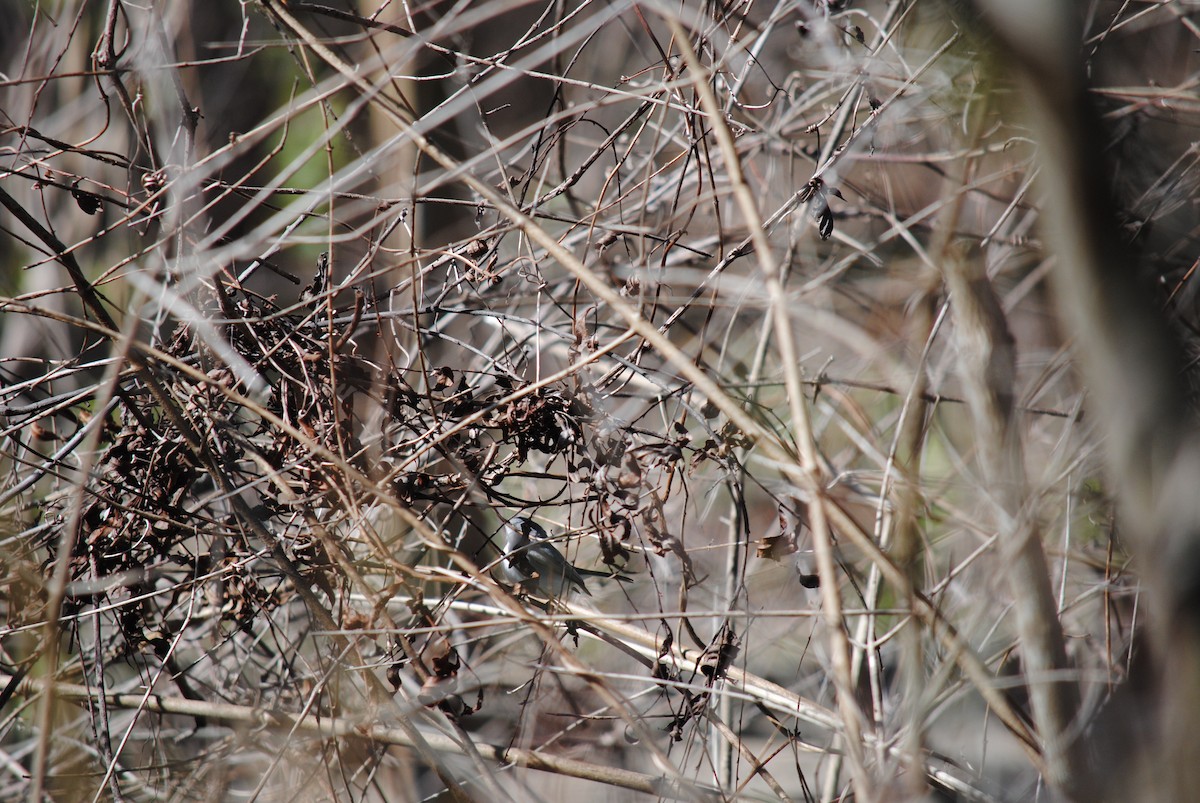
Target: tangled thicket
{"points": [[746, 302]]}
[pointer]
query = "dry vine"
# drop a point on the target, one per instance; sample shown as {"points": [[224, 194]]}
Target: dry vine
{"points": [[743, 302]]}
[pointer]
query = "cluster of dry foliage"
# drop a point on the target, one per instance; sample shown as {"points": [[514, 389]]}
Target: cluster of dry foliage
{"points": [[752, 302]]}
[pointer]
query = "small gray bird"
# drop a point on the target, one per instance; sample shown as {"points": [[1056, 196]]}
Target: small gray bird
{"points": [[533, 562]]}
